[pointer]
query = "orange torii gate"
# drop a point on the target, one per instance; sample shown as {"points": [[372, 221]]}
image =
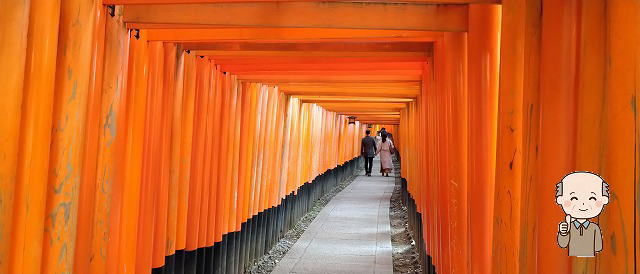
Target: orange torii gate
{"points": [[179, 134]]}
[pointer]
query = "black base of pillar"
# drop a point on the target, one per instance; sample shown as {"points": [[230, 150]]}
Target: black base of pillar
{"points": [[190, 261], [179, 262], [217, 258]]}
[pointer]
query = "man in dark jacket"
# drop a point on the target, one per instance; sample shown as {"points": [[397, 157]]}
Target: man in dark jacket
{"points": [[368, 151]]}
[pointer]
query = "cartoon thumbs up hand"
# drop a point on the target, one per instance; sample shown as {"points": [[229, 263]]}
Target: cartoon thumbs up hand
{"points": [[563, 227]]}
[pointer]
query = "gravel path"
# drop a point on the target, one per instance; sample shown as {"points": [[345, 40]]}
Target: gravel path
{"points": [[405, 257]]}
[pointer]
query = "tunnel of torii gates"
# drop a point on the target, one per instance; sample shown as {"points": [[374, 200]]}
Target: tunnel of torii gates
{"points": [[182, 135]]}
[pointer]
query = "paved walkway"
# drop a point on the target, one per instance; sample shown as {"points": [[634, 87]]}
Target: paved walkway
{"points": [[350, 235]]}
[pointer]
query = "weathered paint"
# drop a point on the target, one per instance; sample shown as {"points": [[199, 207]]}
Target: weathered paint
{"points": [[519, 40], [88, 186], [115, 80], [72, 86]]}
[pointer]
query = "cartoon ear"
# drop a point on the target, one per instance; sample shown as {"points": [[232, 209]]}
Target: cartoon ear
{"points": [[605, 200], [559, 200]]}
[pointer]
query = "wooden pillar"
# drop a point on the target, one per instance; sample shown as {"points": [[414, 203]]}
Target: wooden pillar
{"points": [[228, 160], [72, 86], [177, 136], [136, 113], [209, 100], [590, 87], [591, 66], [295, 140], [618, 139], [637, 156], [222, 162], [14, 27], [150, 159], [484, 60], [88, 186], [441, 251], [166, 117], [557, 125], [245, 148], [252, 149], [35, 139], [234, 220], [520, 34], [277, 153], [213, 168], [197, 154], [186, 145], [215, 163], [432, 215], [287, 141], [115, 82], [455, 115]]}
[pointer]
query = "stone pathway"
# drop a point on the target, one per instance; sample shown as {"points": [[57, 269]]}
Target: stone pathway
{"points": [[350, 235]]}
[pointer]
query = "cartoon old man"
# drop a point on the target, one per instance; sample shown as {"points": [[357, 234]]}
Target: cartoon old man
{"points": [[582, 195]]}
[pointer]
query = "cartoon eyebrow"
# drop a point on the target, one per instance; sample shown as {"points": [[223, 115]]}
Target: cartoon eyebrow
{"points": [[593, 193], [571, 193]]}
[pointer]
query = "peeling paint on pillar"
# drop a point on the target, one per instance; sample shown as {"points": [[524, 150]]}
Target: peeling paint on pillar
{"points": [[76, 32]]}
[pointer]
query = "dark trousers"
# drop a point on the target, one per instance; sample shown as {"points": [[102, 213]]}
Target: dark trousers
{"points": [[368, 164]]}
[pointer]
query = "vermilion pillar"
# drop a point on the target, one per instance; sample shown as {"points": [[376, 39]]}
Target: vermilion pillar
{"points": [[88, 185], [618, 158], [455, 115], [114, 81], [35, 139], [484, 60], [212, 168], [151, 157], [72, 85], [13, 29], [235, 146], [590, 90], [135, 121], [186, 144], [557, 125], [162, 197], [516, 104], [205, 172], [197, 162], [216, 180], [176, 150]]}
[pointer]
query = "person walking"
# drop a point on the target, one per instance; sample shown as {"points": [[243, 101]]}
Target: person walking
{"points": [[390, 138], [368, 151], [389, 135], [378, 138], [385, 150]]}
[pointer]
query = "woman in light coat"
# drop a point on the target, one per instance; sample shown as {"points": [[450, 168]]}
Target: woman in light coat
{"points": [[385, 149]]}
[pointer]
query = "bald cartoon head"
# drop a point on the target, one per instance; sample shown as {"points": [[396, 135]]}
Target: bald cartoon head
{"points": [[582, 194]]}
